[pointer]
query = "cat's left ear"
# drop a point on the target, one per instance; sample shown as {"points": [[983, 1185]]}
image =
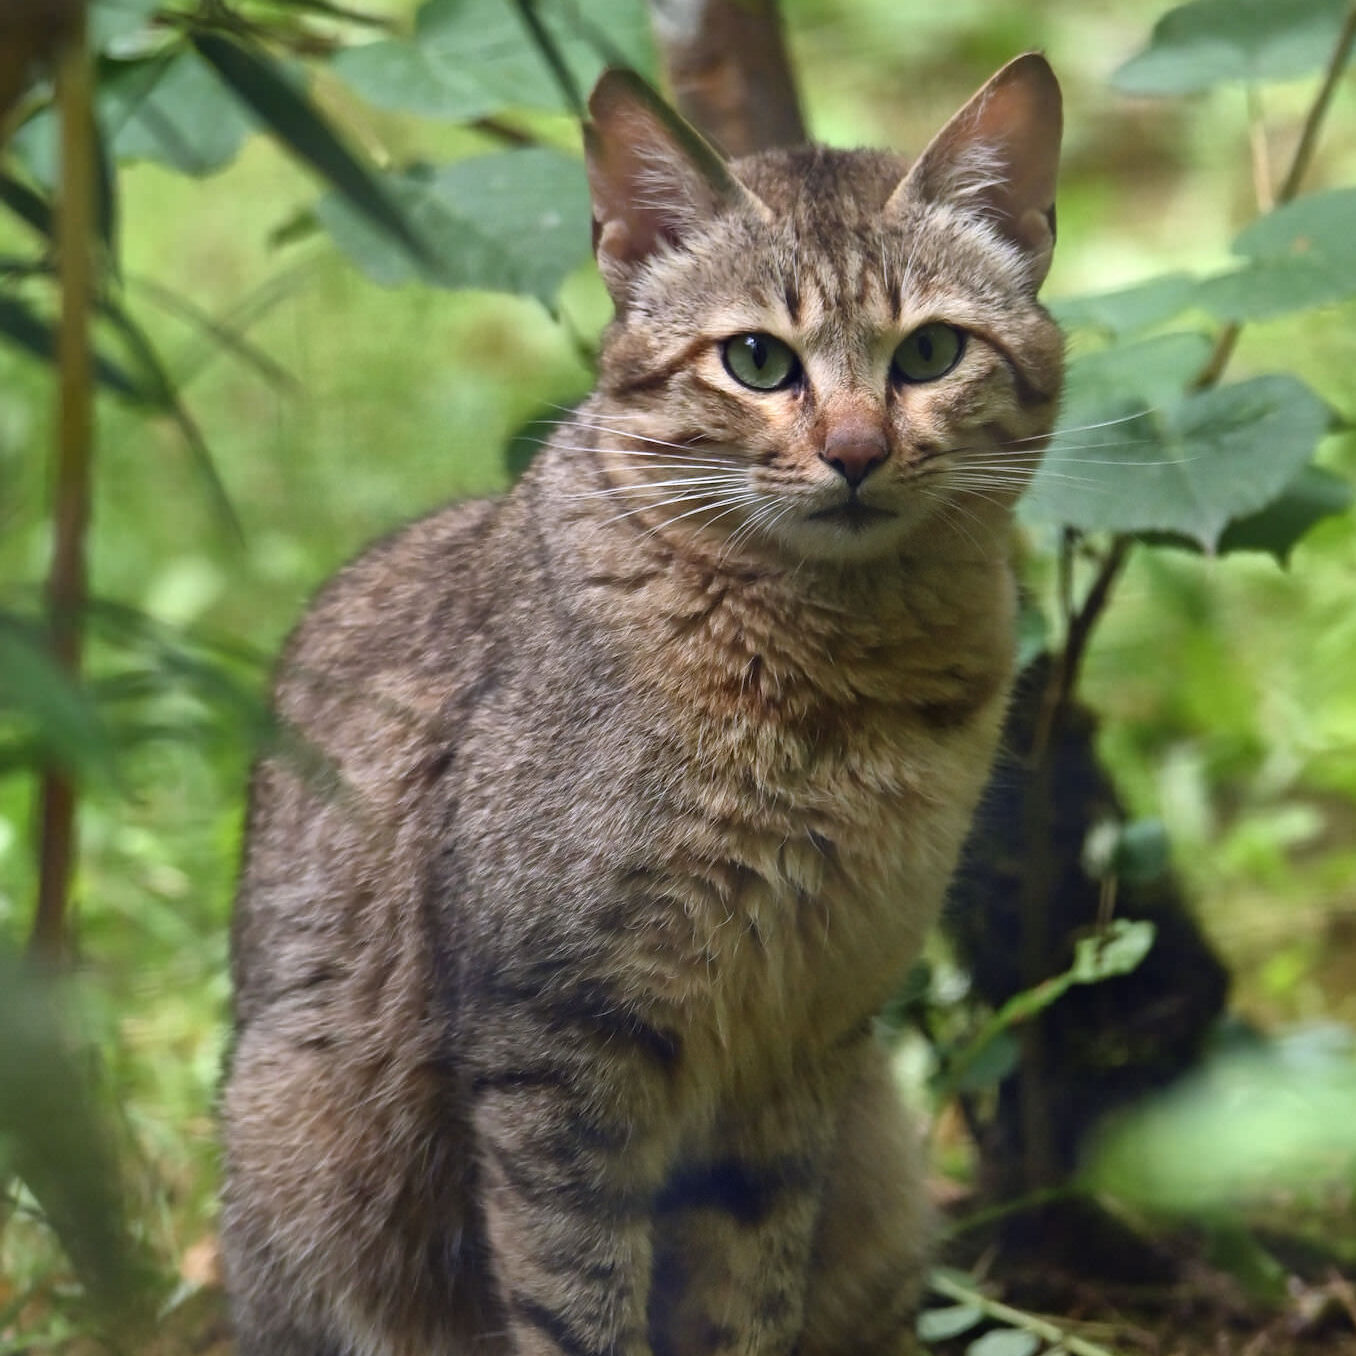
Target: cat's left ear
{"points": [[654, 178], [998, 158]]}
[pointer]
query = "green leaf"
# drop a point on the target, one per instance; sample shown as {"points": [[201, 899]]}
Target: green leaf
{"points": [[936, 1325], [1187, 466], [35, 334], [1313, 495], [1004, 1342], [473, 58], [26, 204], [1129, 308], [111, 21], [1116, 951], [263, 86], [1142, 851], [43, 698], [512, 221], [1301, 255], [1209, 42], [173, 110]]}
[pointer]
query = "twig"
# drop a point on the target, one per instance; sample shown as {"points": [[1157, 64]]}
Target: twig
{"points": [[946, 1284], [67, 576], [1227, 339], [1261, 152]]}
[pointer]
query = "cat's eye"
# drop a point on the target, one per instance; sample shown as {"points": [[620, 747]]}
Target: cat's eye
{"points": [[931, 351], [760, 361]]}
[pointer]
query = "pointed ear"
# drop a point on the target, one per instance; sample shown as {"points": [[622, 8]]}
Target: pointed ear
{"points": [[999, 158], [653, 178]]}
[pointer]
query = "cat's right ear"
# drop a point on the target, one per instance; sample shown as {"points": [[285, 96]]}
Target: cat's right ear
{"points": [[654, 179]]}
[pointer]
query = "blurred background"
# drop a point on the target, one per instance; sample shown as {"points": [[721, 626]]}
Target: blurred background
{"points": [[334, 406]]}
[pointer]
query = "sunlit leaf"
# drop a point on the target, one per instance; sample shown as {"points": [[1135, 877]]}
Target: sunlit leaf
{"points": [[263, 86], [1248, 1124], [1004, 1342], [936, 1325], [472, 58], [512, 221], [1116, 951], [1209, 42]]}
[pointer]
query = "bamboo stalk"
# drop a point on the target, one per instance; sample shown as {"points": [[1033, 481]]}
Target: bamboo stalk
{"points": [[67, 575]]}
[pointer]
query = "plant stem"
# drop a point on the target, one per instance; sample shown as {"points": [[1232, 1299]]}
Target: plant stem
{"points": [[945, 1284], [1227, 340], [67, 576]]}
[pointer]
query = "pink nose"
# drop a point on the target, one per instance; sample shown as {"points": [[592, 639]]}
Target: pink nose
{"points": [[854, 451]]}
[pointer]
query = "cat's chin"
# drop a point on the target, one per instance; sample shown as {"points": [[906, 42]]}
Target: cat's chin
{"points": [[850, 533]]}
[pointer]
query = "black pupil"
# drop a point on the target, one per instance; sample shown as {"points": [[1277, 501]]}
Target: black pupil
{"points": [[925, 347], [757, 351]]}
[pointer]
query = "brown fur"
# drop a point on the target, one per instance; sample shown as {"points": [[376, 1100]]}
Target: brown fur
{"points": [[554, 1006]]}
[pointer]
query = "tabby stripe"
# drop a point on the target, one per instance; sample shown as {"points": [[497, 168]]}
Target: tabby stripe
{"points": [[556, 1327], [746, 1192], [522, 1170], [592, 1006], [660, 376], [544, 1076]]}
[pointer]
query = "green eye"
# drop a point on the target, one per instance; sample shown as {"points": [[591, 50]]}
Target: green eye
{"points": [[760, 361], [931, 351]]}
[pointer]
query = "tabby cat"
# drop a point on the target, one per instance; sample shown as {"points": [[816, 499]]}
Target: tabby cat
{"points": [[628, 797]]}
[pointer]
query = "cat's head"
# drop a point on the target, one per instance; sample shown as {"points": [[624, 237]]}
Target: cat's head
{"points": [[817, 351]]}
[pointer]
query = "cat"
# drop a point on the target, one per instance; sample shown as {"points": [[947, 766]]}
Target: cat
{"points": [[554, 1002]]}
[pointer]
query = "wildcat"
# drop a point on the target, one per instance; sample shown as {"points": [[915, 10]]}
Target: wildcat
{"points": [[554, 1002]]}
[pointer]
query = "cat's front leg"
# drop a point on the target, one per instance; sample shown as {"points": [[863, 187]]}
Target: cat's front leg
{"points": [[574, 1132]]}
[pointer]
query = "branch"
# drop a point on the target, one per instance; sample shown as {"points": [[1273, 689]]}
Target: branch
{"points": [[729, 72], [67, 576]]}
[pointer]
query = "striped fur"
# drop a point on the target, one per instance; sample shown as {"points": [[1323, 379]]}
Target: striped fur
{"points": [[631, 795]]}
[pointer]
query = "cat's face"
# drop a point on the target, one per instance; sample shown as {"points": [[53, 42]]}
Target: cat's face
{"points": [[817, 351]]}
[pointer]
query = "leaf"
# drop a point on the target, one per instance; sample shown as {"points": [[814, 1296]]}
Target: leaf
{"points": [[1301, 255], [1208, 42], [936, 1325], [511, 221], [1187, 466], [1129, 308], [34, 333], [172, 109], [26, 204], [38, 693], [261, 84], [1313, 495], [112, 21], [473, 58], [1004, 1342], [1117, 951]]}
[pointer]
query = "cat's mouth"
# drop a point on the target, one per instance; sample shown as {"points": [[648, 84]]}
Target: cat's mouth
{"points": [[853, 514]]}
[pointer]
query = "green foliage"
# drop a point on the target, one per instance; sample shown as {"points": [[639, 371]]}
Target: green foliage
{"points": [[1209, 42]]}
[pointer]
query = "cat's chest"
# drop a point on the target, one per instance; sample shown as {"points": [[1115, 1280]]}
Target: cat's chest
{"points": [[805, 865]]}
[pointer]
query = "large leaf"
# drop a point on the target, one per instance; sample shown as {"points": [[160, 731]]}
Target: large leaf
{"points": [[1139, 457], [472, 58], [1313, 495], [1209, 42], [513, 221], [172, 109], [1129, 308], [1301, 255], [114, 21], [263, 86]]}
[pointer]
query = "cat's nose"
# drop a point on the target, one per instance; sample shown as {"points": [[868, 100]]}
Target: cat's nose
{"points": [[855, 451]]}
